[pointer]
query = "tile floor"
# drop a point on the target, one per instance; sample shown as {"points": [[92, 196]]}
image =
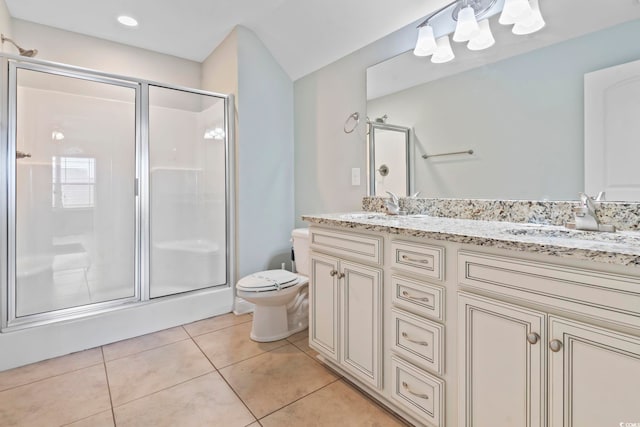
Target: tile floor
{"points": [[207, 373]]}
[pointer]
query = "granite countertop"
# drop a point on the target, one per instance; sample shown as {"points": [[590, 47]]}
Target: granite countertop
{"points": [[621, 248]]}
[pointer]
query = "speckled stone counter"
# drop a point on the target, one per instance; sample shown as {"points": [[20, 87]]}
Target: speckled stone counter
{"points": [[621, 248]]}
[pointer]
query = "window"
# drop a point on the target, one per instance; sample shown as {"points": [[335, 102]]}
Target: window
{"points": [[74, 180]]}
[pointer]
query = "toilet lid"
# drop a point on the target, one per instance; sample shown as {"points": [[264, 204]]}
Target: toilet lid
{"points": [[269, 280]]}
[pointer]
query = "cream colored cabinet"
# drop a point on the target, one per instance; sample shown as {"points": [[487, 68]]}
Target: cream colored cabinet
{"points": [[324, 316], [346, 315], [501, 351], [505, 356], [361, 310], [594, 376], [346, 302]]}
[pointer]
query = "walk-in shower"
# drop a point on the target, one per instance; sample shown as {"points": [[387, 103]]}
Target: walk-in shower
{"points": [[117, 192]]}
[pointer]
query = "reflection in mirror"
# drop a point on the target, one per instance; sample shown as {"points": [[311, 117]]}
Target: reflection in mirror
{"points": [[523, 116], [389, 160]]}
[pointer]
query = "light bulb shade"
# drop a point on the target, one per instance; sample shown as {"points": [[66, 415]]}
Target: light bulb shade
{"points": [[484, 39], [533, 24], [426, 43], [467, 26], [515, 11], [443, 52]]}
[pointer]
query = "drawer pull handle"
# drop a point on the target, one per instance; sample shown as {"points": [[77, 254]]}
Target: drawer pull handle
{"points": [[421, 261], [555, 345], [340, 275], [408, 295], [533, 338], [406, 337], [420, 395], [333, 273]]}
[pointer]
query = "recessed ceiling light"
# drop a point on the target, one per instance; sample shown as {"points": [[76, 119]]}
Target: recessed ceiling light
{"points": [[127, 21]]}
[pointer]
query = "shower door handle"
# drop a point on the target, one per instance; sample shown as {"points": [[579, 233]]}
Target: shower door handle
{"points": [[21, 155]]}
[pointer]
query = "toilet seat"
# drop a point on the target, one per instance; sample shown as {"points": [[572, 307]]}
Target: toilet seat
{"points": [[267, 281]]}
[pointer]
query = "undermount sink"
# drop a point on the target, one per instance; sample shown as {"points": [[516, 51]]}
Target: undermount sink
{"points": [[574, 234], [363, 215]]}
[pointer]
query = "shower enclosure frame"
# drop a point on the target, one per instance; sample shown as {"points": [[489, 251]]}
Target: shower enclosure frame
{"points": [[9, 65]]}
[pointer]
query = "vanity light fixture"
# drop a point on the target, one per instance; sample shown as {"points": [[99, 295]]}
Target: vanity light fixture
{"points": [[468, 20], [127, 21]]}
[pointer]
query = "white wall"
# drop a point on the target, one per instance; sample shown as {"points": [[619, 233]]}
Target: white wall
{"points": [[5, 26], [98, 54], [324, 154], [241, 64], [265, 157]]}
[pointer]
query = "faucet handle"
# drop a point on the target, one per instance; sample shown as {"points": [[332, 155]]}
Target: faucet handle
{"points": [[600, 197]]}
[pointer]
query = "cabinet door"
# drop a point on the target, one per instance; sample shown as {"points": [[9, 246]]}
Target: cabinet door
{"points": [[501, 364], [324, 303], [362, 321], [594, 376]]}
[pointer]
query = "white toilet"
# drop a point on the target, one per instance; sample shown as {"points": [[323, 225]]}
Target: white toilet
{"points": [[280, 296]]}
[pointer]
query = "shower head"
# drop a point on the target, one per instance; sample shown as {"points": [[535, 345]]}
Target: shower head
{"points": [[23, 52]]}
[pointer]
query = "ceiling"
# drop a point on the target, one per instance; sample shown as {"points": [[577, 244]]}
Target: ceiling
{"points": [[303, 35]]}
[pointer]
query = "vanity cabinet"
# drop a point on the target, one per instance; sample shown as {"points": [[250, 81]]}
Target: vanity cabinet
{"points": [[594, 376], [519, 366], [501, 350], [346, 305]]}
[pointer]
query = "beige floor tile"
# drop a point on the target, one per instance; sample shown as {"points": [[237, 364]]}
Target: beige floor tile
{"points": [[299, 335], [57, 400], [232, 345], [204, 401], [103, 419], [303, 345], [146, 342], [256, 424], [338, 404], [274, 379], [144, 373], [48, 368], [216, 323]]}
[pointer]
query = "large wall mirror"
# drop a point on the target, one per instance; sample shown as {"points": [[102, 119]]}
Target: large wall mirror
{"points": [[518, 106]]}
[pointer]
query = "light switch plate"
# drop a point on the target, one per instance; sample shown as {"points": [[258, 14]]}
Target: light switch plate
{"points": [[355, 176]]}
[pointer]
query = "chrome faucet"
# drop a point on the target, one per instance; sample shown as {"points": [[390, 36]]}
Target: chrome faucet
{"points": [[393, 204], [586, 217]]}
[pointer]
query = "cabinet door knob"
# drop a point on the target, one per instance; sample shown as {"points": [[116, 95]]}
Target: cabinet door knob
{"points": [[555, 345], [340, 275], [333, 273], [533, 338]]}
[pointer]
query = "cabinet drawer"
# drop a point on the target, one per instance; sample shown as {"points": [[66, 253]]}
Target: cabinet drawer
{"points": [[358, 247], [419, 340], [418, 258], [419, 392], [421, 298], [607, 296]]}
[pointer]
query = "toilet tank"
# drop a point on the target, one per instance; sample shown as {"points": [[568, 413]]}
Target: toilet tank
{"points": [[300, 238]]}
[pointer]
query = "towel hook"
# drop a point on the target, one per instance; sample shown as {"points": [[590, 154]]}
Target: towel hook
{"points": [[355, 117]]}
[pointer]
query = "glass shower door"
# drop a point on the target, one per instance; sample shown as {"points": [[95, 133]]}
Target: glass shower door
{"points": [[75, 202], [187, 171]]}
